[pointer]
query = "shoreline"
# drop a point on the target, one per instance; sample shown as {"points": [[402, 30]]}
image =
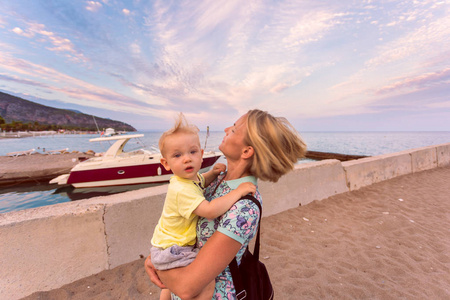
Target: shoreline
{"points": [[25, 134]]}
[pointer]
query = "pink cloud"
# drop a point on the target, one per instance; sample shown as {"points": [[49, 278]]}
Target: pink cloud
{"points": [[418, 82], [93, 6]]}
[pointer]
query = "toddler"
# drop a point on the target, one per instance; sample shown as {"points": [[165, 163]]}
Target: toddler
{"points": [[174, 238]]}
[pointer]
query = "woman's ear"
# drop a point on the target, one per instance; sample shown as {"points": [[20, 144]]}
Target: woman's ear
{"points": [[248, 152]]}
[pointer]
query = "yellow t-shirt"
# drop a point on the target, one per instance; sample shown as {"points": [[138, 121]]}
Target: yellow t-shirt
{"points": [[177, 224]]}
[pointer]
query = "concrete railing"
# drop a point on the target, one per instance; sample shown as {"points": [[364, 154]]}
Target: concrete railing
{"points": [[47, 247]]}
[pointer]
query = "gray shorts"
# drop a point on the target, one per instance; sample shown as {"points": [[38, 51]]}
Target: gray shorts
{"points": [[172, 257]]}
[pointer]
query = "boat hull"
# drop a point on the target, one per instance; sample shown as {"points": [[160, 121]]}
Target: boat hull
{"points": [[152, 172]]}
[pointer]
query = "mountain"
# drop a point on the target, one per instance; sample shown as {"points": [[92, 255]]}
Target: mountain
{"points": [[20, 110]]}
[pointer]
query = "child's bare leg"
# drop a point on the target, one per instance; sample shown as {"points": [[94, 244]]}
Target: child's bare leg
{"points": [[207, 292], [165, 294]]}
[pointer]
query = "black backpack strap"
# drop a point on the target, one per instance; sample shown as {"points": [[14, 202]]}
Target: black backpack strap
{"points": [[237, 280], [234, 269]]}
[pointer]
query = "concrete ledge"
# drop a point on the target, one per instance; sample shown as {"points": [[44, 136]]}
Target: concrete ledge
{"points": [[367, 171], [443, 155], [45, 248], [306, 183], [423, 159], [130, 219]]}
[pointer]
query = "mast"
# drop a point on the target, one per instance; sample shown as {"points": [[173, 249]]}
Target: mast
{"points": [[98, 130], [207, 135]]}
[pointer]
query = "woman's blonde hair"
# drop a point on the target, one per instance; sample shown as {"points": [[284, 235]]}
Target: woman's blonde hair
{"points": [[181, 126], [277, 145]]}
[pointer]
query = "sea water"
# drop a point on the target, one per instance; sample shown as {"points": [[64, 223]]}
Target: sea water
{"points": [[20, 197]]}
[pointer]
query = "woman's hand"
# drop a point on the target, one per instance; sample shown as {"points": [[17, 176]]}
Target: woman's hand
{"points": [[151, 272], [188, 282]]}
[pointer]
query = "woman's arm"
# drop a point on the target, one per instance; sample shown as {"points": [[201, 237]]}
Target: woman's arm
{"points": [[212, 259]]}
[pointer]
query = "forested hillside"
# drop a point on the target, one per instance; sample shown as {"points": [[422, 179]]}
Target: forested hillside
{"points": [[17, 110]]}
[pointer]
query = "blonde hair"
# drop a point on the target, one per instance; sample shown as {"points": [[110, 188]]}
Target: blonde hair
{"points": [[277, 145], [181, 126]]}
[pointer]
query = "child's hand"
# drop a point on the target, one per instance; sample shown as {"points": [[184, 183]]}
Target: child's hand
{"points": [[246, 188], [219, 168]]}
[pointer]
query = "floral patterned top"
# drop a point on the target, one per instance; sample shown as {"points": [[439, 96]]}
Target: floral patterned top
{"points": [[240, 223]]}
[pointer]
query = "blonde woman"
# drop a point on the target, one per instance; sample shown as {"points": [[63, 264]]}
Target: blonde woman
{"points": [[257, 146]]}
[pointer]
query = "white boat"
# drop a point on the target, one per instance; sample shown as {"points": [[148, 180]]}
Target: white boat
{"points": [[117, 167], [109, 132]]}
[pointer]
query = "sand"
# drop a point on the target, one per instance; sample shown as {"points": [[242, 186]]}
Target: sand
{"points": [[390, 240]]}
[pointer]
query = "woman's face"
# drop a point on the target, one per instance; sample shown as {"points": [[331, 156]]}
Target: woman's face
{"points": [[233, 142]]}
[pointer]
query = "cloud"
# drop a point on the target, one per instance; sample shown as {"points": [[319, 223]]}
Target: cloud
{"points": [[216, 57], [93, 6], [231, 52], [421, 41], [419, 82], [414, 59], [311, 28], [23, 81], [279, 88], [445, 104], [71, 89], [43, 36], [135, 48], [19, 31], [3, 23]]}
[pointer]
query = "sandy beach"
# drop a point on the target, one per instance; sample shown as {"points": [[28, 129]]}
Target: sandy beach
{"points": [[390, 240]]}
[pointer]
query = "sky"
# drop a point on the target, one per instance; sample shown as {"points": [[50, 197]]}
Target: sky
{"points": [[325, 65]]}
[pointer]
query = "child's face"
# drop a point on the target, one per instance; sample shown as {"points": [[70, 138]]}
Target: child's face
{"points": [[183, 155]]}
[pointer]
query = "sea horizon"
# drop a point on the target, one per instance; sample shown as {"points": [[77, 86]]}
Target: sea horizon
{"points": [[351, 142]]}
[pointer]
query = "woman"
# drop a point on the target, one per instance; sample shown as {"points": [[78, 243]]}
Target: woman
{"points": [[259, 146]]}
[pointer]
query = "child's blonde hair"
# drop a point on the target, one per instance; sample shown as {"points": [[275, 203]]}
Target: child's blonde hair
{"points": [[181, 126], [277, 145]]}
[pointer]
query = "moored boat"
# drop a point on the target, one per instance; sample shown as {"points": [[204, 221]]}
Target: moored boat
{"points": [[117, 167]]}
